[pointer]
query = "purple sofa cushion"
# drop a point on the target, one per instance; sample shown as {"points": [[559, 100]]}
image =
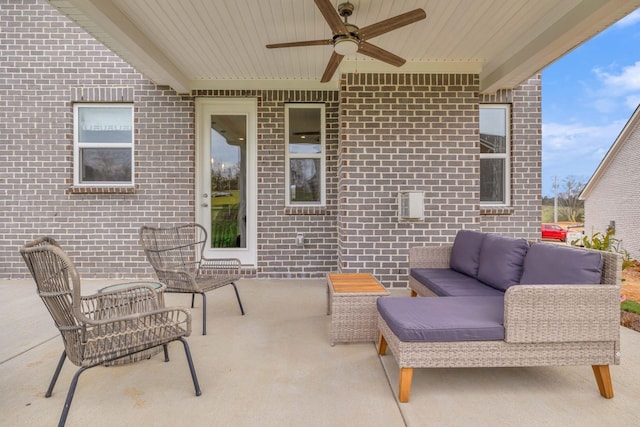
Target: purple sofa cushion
{"points": [[444, 319], [501, 261], [465, 253], [550, 264], [445, 282]]}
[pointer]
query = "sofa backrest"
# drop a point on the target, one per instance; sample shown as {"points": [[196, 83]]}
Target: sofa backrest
{"points": [[502, 261], [465, 253], [549, 264]]}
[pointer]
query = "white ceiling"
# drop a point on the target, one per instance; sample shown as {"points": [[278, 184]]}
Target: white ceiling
{"points": [[209, 44]]}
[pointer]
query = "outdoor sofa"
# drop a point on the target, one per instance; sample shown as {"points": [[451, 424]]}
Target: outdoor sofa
{"points": [[502, 302]]}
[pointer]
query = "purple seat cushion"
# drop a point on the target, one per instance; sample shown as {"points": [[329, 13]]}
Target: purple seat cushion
{"points": [[465, 253], [444, 319], [501, 261], [445, 282], [550, 264]]}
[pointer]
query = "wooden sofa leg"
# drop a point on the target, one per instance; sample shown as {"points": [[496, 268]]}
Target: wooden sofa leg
{"points": [[382, 345], [413, 293], [406, 374], [603, 378]]}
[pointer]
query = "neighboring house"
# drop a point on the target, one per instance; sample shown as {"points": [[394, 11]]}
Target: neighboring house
{"points": [[611, 195], [295, 178]]}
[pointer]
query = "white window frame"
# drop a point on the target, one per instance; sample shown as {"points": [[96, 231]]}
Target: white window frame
{"points": [[506, 156], [79, 145], [321, 155]]}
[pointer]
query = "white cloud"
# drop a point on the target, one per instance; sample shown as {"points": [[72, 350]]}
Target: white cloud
{"points": [[576, 148], [629, 20], [628, 79]]}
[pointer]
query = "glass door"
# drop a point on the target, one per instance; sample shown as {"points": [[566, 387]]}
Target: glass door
{"points": [[226, 201]]}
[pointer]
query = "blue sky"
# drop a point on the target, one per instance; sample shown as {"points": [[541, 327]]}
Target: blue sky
{"points": [[587, 98]]}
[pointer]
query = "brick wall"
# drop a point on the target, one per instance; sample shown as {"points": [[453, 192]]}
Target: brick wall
{"points": [[278, 255], [523, 217], [420, 133], [48, 63], [615, 198], [385, 133]]}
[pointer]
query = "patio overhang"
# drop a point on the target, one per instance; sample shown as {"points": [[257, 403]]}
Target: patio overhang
{"points": [[221, 44]]}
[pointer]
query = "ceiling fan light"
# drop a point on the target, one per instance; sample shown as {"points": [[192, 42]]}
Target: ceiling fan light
{"points": [[345, 46]]}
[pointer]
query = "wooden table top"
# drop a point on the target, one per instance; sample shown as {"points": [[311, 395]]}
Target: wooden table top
{"points": [[355, 283]]}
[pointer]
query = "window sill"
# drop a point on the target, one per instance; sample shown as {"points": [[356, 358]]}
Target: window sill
{"points": [[101, 190], [498, 210], [305, 210]]}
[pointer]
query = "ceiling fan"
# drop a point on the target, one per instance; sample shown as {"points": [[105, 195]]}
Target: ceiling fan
{"points": [[348, 39]]}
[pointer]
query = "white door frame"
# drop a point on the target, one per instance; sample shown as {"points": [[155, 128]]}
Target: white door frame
{"points": [[205, 108]]}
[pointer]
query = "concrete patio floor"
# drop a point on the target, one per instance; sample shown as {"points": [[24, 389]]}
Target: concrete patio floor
{"points": [[275, 367]]}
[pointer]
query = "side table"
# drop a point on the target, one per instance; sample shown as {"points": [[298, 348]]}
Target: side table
{"points": [[351, 302]]}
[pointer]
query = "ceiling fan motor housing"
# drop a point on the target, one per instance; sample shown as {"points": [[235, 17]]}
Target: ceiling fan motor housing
{"points": [[345, 9]]}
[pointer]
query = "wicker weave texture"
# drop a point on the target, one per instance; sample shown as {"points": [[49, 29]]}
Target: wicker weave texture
{"points": [[470, 354], [104, 326], [176, 255], [353, 315]]}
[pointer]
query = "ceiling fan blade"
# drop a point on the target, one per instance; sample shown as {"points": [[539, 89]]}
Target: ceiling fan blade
{"points": [[390, 24], [331, 16], [297, 44], [332, 66], [380, 54]]}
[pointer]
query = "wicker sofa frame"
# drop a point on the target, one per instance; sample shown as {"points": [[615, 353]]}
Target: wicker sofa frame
{"points": [[545, 325]]}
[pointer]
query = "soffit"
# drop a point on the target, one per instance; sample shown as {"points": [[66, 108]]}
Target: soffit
{"points": [[204, 44]]}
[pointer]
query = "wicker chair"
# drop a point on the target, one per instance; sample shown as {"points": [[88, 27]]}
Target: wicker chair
{"points": [[112, 324], [176, 254]]}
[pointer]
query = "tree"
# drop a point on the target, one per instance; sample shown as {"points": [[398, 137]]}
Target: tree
{"points": [[570, 206]]}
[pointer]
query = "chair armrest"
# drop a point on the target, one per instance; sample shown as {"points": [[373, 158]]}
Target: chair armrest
{"points": [[562, 313], [430, 256], [159, 321]]}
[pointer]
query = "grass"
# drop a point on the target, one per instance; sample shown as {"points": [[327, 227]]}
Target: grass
{"points": [[630, 306]]}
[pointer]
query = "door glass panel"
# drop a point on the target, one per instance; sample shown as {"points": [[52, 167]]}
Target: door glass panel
{"points": [[228, 181]]}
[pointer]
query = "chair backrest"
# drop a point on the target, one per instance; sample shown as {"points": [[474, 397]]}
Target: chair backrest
{"points": [[174, 248], [58, 285]]}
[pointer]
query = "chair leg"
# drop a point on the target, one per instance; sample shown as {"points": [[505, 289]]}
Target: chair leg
{"points": [[191, 367], [166, 352], [193, 300], [603, 379], [406, 374], [56, 373], [382, 345], [204, 314], [235, 288], [67, 403]]}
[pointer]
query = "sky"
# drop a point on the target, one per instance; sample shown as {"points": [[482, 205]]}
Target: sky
{"points": [[587, 97]]}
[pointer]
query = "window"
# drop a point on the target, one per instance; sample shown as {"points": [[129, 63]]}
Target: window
{"points": [[103, 144], [305, 147], [494, 155]]}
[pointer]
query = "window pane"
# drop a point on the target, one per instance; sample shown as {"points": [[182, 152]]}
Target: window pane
{"points": [[103, 124], [304, 130], [228, 181], [493, 130], [305, 180], [492, 177], [106, 164]]}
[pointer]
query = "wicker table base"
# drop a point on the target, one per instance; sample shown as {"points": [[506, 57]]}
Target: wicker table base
{"points": [[351, 302]]}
